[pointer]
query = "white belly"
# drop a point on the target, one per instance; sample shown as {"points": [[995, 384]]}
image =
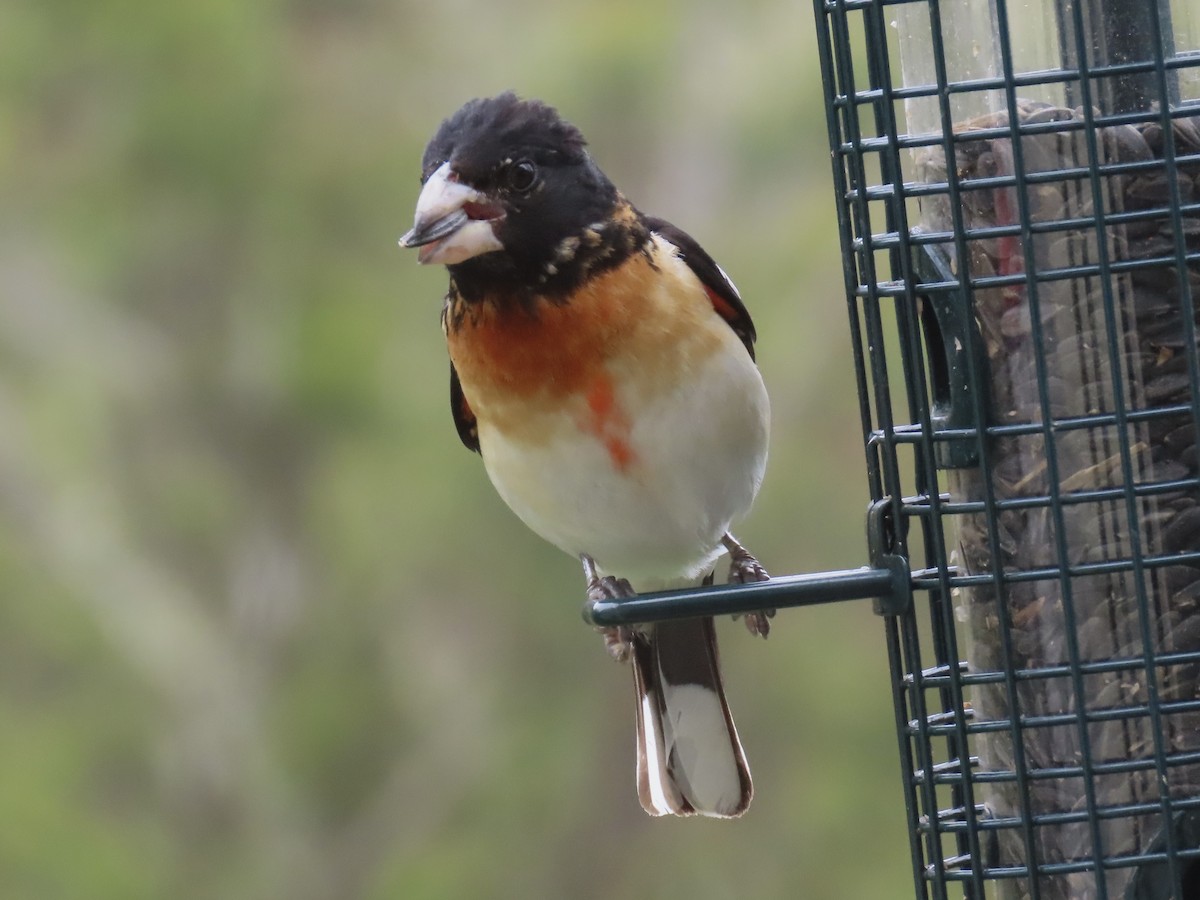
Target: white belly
{"points": [[698, 456]]}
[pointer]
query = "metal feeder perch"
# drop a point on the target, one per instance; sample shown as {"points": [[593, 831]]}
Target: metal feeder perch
{"points": [[1018, 193]]}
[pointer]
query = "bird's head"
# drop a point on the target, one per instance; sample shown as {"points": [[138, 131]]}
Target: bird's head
{"points": [[510, 196]]}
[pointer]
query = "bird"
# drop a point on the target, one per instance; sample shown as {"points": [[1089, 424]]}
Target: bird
{"points": [[602, 364]]}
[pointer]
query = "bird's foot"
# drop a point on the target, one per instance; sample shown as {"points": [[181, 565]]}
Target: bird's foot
{"points": [[618, 640], [745, 569]]}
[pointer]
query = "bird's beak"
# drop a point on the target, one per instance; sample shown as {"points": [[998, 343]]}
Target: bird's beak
{"points": [[453, 221]]}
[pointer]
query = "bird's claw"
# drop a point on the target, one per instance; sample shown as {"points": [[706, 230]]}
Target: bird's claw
{"points": [[745, 569], [618, 639], [759, 623]]}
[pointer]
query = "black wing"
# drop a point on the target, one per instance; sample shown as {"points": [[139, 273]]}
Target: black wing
{"points": [[464, 417], [724, 296]]}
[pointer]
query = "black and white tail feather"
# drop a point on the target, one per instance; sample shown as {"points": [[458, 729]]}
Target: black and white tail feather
{"points": [[689, 758]]}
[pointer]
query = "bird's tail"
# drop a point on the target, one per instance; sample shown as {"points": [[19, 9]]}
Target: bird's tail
{"points": [[690, 761]]}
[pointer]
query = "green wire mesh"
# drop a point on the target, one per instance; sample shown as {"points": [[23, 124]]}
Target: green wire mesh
{"points": [[1022, 290]]}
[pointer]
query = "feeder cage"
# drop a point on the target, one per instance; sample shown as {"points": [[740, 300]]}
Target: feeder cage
{"points": [[1018, 196]]}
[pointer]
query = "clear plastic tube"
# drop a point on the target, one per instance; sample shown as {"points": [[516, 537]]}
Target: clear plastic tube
{"points": [[1065, 205]]}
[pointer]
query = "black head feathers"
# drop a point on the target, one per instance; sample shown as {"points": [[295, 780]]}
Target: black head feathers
{"points": [[556, 217], [488, 130]]}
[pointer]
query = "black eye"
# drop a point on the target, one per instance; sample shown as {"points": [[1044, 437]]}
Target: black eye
{"points": [[521, 175]]}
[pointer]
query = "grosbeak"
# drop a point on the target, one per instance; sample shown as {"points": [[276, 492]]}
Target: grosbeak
{"points": [[602, 364]]}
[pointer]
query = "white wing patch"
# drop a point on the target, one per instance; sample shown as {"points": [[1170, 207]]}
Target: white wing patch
{"points": [[728, 281]]}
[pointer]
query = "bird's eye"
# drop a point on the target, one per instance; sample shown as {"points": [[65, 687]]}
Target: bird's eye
{"points": [[521, 175]]}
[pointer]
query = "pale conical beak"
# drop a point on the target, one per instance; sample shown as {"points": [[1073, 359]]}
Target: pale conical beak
{"points": [[453, 223]]}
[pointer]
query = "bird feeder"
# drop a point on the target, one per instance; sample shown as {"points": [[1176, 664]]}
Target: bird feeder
{"points": [[1018, 195], [1020, 208]]}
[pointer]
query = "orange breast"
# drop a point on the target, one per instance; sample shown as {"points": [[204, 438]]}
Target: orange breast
{"points": [[548, 350], [630, 329]]}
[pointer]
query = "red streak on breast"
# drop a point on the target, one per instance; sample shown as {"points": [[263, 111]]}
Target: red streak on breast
{"points": [[620, 453], [600, 399], [608, 423]]}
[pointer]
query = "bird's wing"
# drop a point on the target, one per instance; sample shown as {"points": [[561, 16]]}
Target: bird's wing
{"points": [[721, 291], [464, 416]]}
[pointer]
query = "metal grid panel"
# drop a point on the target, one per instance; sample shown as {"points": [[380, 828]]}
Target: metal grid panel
{"points": [[1021, 293]]}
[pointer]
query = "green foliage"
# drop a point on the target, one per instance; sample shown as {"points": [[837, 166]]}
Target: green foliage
{"points": [[265, 629]]}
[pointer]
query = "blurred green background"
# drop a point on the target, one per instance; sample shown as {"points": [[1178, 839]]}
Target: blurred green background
{"points": [[265, 629]]}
